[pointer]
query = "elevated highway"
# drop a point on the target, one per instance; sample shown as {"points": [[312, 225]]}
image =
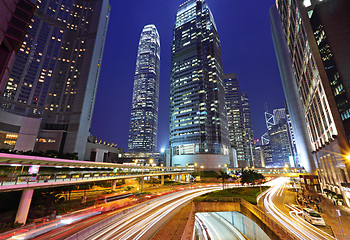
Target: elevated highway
{"points": [[27, 173], [40, 172]]}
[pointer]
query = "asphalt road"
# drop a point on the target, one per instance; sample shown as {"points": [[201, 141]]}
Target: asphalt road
{"points": [[213, 227], [141, 223], [276, 204]]}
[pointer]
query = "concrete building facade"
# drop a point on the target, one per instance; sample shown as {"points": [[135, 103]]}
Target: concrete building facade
{"points": [[317, 35]]}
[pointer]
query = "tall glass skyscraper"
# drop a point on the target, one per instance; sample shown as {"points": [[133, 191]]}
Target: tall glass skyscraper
{"points": [[26, 89], [235, 118], [198, 121], [144, 109], [239, 121], [56, 71], [311, 40]]}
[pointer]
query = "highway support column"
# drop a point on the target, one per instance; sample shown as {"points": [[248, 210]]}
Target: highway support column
{"points": [[113, 184], [142, 179], [162, 180], [24, 205]]}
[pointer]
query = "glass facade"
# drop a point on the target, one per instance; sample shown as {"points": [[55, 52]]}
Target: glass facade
{"points": [[280, 144], [334, 77], [198, 121], [320, 122], [144, 109], [27, 86], [248, 127], [56, 71], [239, 120], [316, 33]]}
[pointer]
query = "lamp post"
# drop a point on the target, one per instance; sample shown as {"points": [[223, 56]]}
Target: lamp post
{"points": [[339, 222], [142, 181], [202, 167]]}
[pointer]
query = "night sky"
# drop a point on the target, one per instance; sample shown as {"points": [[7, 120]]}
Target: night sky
{"points": [[246, 45]]}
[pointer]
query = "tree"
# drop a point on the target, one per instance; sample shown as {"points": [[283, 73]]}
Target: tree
{"points": [[251, 177], [223, 175]]}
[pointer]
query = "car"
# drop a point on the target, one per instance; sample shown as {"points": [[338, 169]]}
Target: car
{"points": [[313, 217]]}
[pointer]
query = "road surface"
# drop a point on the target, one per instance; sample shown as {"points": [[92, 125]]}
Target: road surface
{"points": [[211, 226], [137, 222], [277, 205]]}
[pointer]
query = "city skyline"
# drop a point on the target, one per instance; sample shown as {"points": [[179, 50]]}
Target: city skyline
{"points": [[117, 72], [229, 72]]}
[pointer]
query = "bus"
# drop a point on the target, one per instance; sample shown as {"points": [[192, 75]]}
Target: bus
{"points": [[114, 201]]}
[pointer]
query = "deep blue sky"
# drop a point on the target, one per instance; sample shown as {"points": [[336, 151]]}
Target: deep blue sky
{"points": [[246, 45]]}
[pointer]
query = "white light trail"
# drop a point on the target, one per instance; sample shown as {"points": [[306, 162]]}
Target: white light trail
{"points": [[121, 230], [293, 226]]}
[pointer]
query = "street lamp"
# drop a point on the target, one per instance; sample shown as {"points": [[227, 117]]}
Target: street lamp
{"points": [[195, 166]]}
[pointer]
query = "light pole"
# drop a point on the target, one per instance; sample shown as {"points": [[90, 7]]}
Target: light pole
{"points": [[142, 181], [339, 222]]}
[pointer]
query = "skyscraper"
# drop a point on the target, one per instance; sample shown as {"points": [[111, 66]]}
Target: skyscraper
{"points": [[198, 121], [144, 109], [233, 98], [26, 88], [56, 71], [279, 114], [248, 128], [280, 144], [239, 121], [314, 36], [16, 132], [14, 21], [280, 140]]}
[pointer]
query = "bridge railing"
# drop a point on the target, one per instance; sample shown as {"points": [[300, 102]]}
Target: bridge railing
{"points": [[14, 179]]}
